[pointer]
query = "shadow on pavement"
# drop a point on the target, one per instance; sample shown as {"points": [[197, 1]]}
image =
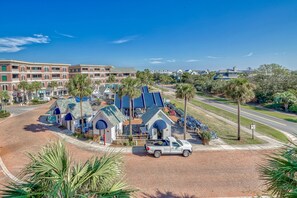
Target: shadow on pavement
{"points": [[167, 194], [139, 151], [35, 128]]}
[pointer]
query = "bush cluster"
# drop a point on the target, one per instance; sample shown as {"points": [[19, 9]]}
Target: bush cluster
{"points": [[4, 114]]}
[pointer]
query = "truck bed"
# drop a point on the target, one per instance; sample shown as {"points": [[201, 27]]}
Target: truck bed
{"points": [[157, 143]]}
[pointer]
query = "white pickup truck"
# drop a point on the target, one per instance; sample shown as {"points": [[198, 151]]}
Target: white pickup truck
{"points": [[168, 146]]}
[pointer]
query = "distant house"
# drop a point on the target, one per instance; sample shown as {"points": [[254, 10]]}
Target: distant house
{"points": [[156, 123], [231, 73], [110, 119], [72, 119]]}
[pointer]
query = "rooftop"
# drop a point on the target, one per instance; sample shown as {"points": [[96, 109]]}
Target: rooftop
{"points": [[33, 63]]}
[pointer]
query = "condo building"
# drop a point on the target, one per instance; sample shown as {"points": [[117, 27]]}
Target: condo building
{"points": [[12, 72], [102, 72]]}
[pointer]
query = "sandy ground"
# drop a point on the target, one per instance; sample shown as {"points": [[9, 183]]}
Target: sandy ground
{"points": [[203, 174]]}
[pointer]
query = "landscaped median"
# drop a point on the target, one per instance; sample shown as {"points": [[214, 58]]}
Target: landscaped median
{"points": [[261, 128], [226, 132]]}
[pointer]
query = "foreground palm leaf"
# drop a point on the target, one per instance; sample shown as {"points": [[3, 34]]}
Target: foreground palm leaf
{"points": [[51, 174], [280, 174]]}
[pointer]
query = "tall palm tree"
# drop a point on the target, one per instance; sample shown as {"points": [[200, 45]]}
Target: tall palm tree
{"points": [[4, 97], [52, 173], [80, 86], [286, 98], [36, 86], [279, 173], [131, 87], [23, 85], [146, 77], [240, 91], [186, 92], [53, 85], [30, 89]]}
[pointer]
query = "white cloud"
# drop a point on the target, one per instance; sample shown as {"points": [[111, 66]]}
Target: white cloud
{"points": [[249, 54], [124, 40], [212, 57], [171, 60], [15, 44], [156, 59], [192, 60], [156, 62], [65, 35]]}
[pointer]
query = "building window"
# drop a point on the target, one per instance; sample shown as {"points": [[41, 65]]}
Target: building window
{"points": [[36, 76], [4, 68], [56, 75], [64, 76], [36, 68], [4, 87], [64, 69], [15, 67], [56, 69], [22, 69], [28, 75], [85, 69], [46, 76], [46, 69], [28, 68], [23, 78], [4, 78], [15, 76]]}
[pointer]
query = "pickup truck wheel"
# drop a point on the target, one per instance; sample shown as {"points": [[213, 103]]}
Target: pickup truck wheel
{"points": [[157, 154], [186, 153]]}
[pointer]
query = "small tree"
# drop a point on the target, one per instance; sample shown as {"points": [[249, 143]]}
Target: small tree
{"points": [[23, 85], [80, 86], [111, 79], [4, 97], [285, 98], [131, 87], [240, 91], [36, 86], [53, 85], [186, 92]]}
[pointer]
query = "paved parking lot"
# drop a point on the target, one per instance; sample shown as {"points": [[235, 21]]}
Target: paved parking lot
{"points": [[203, 174]]}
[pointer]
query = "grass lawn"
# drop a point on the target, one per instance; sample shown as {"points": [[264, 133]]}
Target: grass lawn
{"points": [[261, 128], [287, 117], [226, 132]]}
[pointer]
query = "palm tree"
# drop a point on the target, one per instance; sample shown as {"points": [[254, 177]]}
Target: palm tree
{"points": [[286, 98], [30, 89], [279, 173], [96, 84], [53, 85], [131, 87], [146, 77], [36, 86], [111, 79], [240, 91], [186, 92], [4, 97], [52, 173], [80, 86], [23, 85]]}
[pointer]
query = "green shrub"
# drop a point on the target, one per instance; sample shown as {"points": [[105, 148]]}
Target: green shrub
{"points": [[36, 101], [293, 108], [4, 114], [205, 135]]}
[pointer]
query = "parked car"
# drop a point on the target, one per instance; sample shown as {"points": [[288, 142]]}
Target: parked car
{"points": [[168, 146]]}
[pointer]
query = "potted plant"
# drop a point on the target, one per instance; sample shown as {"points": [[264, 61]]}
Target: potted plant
{"points": [[205, 137]]}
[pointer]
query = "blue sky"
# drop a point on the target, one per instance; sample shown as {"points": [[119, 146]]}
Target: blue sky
{"points": [[167, 34]]}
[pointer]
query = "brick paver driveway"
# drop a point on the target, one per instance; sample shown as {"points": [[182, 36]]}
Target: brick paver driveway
{"points": [[203, 174]]}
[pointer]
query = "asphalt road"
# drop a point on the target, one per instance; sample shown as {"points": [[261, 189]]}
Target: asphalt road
{"points": [[271, 121]]}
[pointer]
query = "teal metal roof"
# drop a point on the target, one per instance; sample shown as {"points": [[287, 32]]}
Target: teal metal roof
{"points": [[62, 104], [74, 109], [147, 116], [113, 114]]}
